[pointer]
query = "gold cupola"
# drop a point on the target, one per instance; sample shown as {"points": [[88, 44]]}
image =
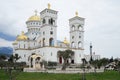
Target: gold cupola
{"points": [[34, 17], [65, 41], [22, 36]]}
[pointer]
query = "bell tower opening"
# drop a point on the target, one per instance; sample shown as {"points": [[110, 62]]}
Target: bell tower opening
{"points": [[51, 42]]}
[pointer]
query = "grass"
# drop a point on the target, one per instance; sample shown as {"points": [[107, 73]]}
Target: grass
{"points": [[108, 75]]}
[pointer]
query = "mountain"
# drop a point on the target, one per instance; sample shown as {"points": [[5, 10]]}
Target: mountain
{"points": [[6, 51]]}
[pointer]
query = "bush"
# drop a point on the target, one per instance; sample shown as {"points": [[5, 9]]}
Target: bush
{"points": [[52, 63]]}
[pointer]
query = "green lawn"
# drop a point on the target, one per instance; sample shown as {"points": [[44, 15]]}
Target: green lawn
{"points": [[108, 75]]}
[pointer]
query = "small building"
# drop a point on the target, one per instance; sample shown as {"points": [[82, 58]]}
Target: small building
{"points": [[94, 57]]}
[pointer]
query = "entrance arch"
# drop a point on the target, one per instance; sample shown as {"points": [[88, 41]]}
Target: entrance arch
{"points": [[35, 61], [60, 60]]}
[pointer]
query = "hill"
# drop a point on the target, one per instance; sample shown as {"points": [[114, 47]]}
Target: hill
{"points": [[6, 51]]}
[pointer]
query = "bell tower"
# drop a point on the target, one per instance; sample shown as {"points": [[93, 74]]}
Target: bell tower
{"points": [[76, 32], [48, 26]]}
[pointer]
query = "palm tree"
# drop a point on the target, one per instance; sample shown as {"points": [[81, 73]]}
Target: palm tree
{"points": [[65, 55]]}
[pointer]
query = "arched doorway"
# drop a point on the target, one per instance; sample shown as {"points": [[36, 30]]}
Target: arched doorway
{"points": [[60, 60], [35, 61], [31, 62]]}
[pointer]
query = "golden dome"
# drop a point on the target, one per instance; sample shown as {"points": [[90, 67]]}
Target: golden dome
{"points": [[22, 36], [15, 42], [65, 41], [34, 17]]}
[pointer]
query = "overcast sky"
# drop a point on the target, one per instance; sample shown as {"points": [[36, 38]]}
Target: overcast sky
{"points": [[102, 21]]}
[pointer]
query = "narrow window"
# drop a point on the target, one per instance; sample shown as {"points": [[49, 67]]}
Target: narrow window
{"points": [[43, 33], [44, 21], [51, 32], [79, 44], [24, 46], [73, 44], [73, 27], [72, 37], [51, 53]]}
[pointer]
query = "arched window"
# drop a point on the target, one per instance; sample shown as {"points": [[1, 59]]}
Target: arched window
{"points": [[31, 61], [80, 27], [51, 42], [40, 43], [19, 45], [44, 21], [73, 44], [43, 42], [79, 44], [24, 46], [73, 27], [51, 21]]}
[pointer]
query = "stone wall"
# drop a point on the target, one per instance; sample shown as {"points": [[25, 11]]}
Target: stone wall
{"points": [[64, 71]]}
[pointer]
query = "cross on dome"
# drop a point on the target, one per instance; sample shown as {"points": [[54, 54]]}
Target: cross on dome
{"points": [[49, 5], [36, 12], [76, 13]]}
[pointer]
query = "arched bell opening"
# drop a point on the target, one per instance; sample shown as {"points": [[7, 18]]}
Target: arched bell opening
{"points": [[51, 42]]}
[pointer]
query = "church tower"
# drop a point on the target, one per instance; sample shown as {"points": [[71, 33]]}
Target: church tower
{"points": [[76, 32], [48, 27]]}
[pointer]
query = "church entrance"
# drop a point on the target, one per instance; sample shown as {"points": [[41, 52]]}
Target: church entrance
{"points": [[35, 61], [60, 60]]}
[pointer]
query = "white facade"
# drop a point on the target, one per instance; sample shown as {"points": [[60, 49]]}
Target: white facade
{"points": [[41, 38], [94, 57]]}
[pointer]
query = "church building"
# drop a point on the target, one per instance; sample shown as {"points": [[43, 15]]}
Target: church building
{"points": [[40, 41]]}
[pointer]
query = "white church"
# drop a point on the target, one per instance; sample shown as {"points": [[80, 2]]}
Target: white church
{"points": [[40, 41]]}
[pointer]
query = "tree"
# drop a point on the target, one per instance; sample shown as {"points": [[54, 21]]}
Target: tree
{"points": [[11, 59], [111, 60], [94, 63], [2, 60], [118, 66], [13, 68], [14, 58], [104, 61], [65, 55], [3, 57]]}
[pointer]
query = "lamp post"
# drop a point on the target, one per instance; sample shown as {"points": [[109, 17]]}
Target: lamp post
{"points": [[83, 74]]}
